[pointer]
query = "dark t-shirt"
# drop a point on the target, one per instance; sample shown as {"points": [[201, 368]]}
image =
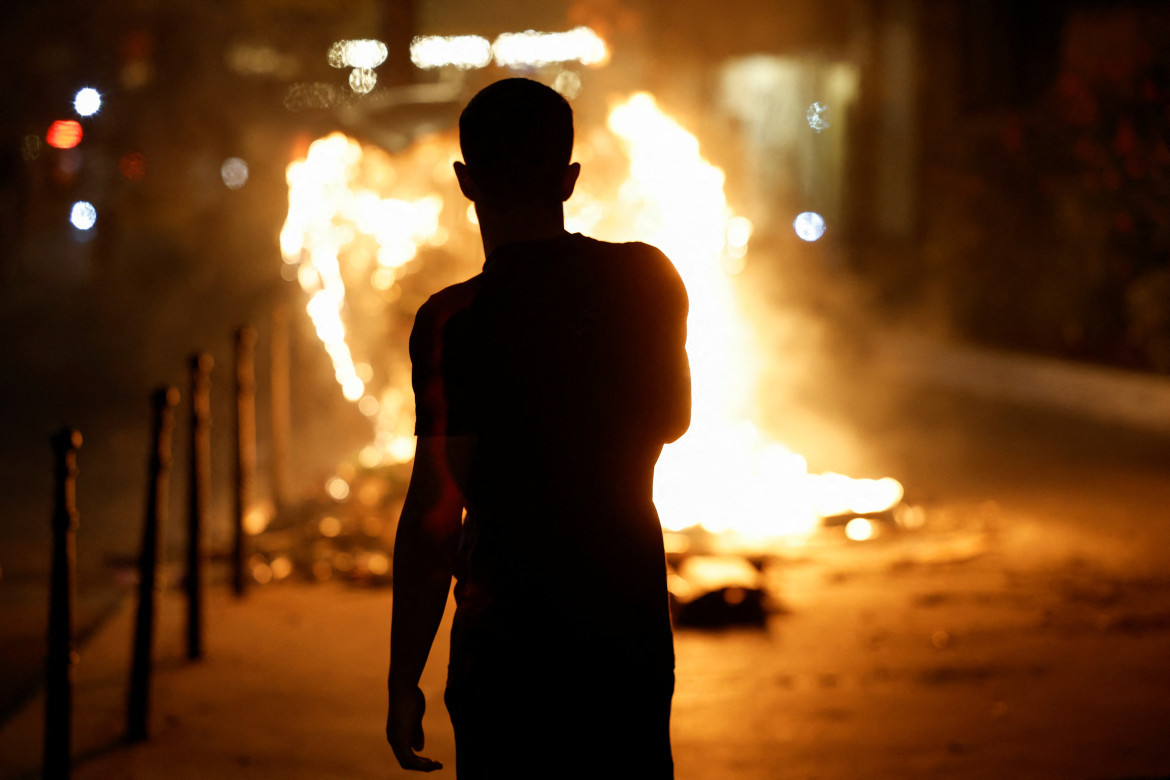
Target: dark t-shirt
{"points": [[565, 360]]}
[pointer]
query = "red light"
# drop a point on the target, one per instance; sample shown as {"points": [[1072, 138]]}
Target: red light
{"points": [[64, 134], [133, 165]]}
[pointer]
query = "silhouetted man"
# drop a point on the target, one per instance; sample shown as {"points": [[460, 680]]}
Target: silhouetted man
{"points": [[545, 388]]}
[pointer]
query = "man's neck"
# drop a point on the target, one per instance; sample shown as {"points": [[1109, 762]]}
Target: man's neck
{"points": [[500, 225]]}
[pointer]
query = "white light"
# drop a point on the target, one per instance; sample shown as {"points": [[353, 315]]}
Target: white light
{"points": [[739, 231], [528, 49], [460, 51], [362, 80], [83, 216], [352, 388], [568, 84], [818, 117], [402, 448], [534, 49], [234, 173], [809, 225], [87, 101], [859, 529], [357, 54]]}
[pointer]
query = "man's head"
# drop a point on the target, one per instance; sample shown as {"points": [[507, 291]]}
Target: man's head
{"points": [[517, 138]]}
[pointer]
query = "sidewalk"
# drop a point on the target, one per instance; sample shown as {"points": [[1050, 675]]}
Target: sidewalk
{"points": [[955, 653], [293, 685]]}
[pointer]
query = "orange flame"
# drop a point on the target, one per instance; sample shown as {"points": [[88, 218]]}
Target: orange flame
{"points": [[725, 474]]}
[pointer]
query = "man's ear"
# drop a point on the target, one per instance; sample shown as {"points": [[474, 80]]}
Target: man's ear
{"points": [[570, 180], [466, 183]]}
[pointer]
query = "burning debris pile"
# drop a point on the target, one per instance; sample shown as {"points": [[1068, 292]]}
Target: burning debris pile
{"points": [[369, 235], [344, 533]]}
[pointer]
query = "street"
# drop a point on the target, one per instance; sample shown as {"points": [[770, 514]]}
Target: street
{"points": [[1022, 632]]}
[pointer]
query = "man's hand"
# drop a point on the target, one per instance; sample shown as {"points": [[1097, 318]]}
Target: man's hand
{"points": [[404, 729], [424, 549]]}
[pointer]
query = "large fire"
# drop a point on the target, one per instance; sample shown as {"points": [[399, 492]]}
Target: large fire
{"points": [[362, 222]]}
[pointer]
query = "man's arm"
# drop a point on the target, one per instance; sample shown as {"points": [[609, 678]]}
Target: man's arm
{"points": [[678, 370], [424, 549], [665, 299]]}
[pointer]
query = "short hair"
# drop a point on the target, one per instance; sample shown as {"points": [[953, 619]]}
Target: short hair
{"points": [[516, 136]]}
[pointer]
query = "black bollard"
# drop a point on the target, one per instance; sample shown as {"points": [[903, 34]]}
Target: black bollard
{"points": [[281, 408], [245, 452], [159, 468], [60, 659], [199, 465]]}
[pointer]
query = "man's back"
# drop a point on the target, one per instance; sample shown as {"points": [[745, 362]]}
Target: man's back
{"points": [[568, 367]]}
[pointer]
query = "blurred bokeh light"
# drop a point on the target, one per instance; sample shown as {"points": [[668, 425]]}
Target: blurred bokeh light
{"points": [[809, 225], [83, 215], [234, 173], [458, 51], [64, 134], [818, 117], [87, 101]]}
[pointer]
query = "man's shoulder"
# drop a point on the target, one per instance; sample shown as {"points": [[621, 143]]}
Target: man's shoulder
{"points": [[442, 305], [633, 250], [432, 317], [643, 267], [631, 259]]}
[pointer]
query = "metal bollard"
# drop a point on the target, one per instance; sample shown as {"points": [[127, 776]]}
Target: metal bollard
{"points": [[61, 658], [245, 451], [281, 407], [197, 496], [159, 468]]}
